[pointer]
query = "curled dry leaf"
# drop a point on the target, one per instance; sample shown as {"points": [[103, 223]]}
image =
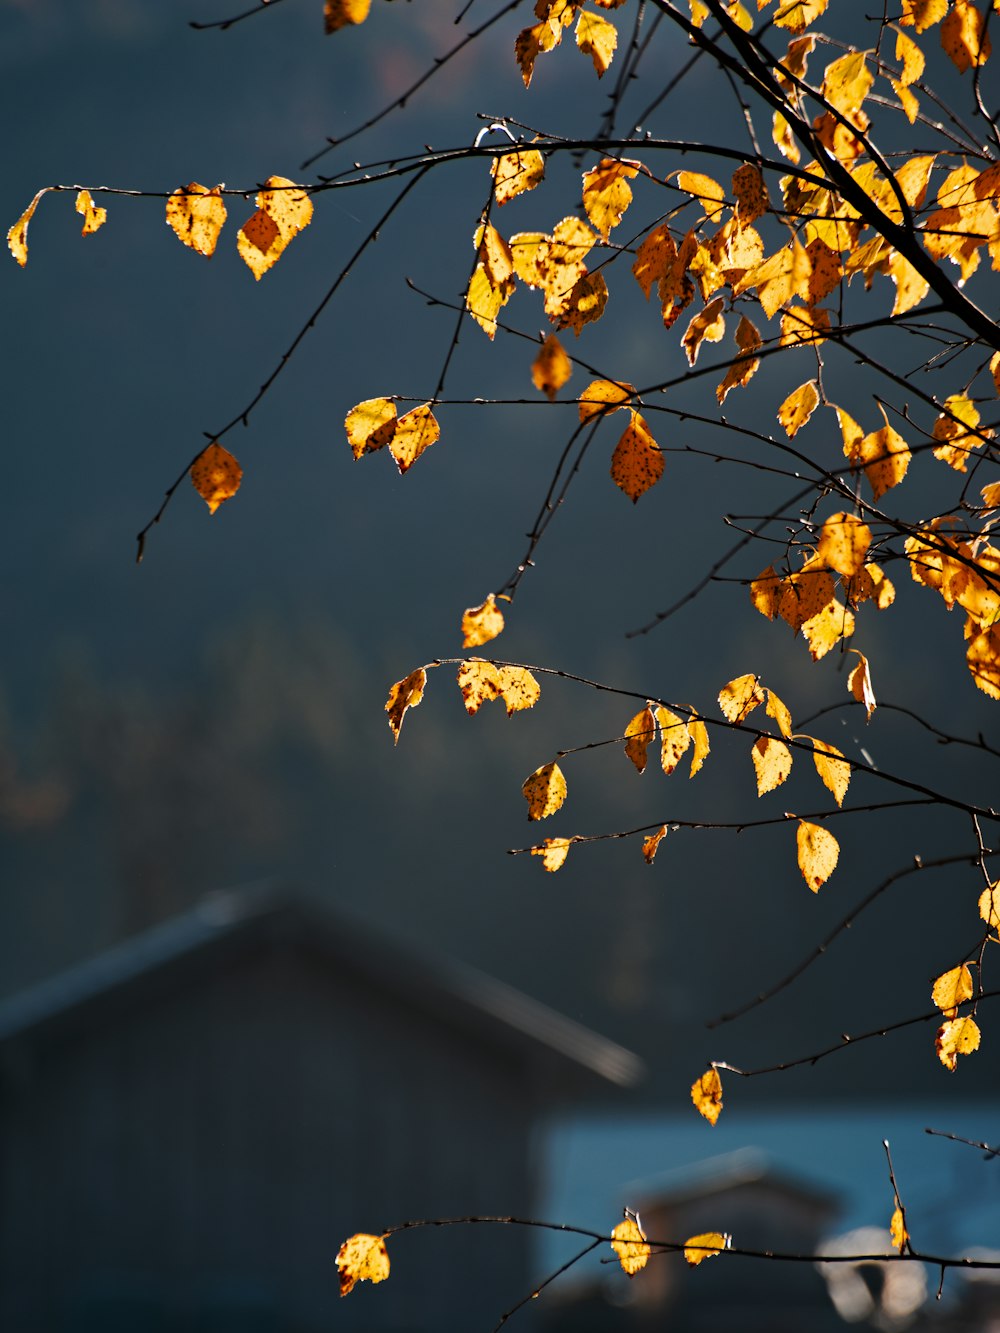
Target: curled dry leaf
{"points": [[362, 1258], [957, 1036], [93, 217], [818, 853], [706, 1093], [553, 852], [651, 844], [859, 682], [545, 791], [989, 906], [482, 623], [705, 1246], [216, 475], [707, 326], [629, 1243], [698, 732], [406, 693], [17, 236]]}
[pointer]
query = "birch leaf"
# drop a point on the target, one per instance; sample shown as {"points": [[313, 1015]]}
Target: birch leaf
{"points": [[952, 989], [651, 844], [415, 431], [545, 791], [740, 697], [551, 368], [637, 463], [955, 1037], [706, 1093], [553, 852], [818, 852], [859, 682], [706, 1246], [638, 734], [629, 1243], [772, 761], [516, 173], [216, 475], [362, 1258], [196, 216], [481, 623], [93, 217], [406, 693]]}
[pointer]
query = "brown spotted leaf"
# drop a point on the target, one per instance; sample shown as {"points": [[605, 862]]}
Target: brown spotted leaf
{"points": [[551, 368], [637, 463], [196, 216], [17, 236], [481, 623], [370, 425], [216, 475], [516, 173], [406, 693], [955, 1037], [93, 217], [415, 431], [740, 697], [362, 1258], [639, 732], [283, 210], [545, 791]]}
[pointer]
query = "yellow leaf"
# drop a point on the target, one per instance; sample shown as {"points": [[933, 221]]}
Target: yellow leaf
{"points": [[283, 210], [797, 15], [827, 628], [844, 543], [818, 851], [551, 368], [923, 14], [995, 370], [553, 852], [859, 682], [885, 457], [779, 278], [479, 682], [583, 305], [216, 475], [485, 299], [196, 216], [952, 989], [629, 1243], [983, 659], [805, 594], [370, 425], [781, 715], [698, 732], [406, 693], [991, 492], [964, 37], [362, 1258], [833, 769], [798, 407], [93, 218], [706, 1093], [910, 56], [530, 42], [654, 259], [766, 592], [545, 791], [847, 82], [515, 173], [989, 906], [959, 437], [494, 254], [674, 738], [17, 236], [772, 761], [826, 270], [740, 697], [804, 325], [898, 1234], [750, 194], [742, 367], [652, 843], [341, 13], [707, 191], [596, 37], [708, 326], [481, 623], [606, 192], [637, 463], [415, 431], [705, 1246], [602, 397], [518, 688], [638, 734], [955, 1037]]}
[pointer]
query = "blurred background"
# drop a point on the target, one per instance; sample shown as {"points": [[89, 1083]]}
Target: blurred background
{"points": [[194, 752]]}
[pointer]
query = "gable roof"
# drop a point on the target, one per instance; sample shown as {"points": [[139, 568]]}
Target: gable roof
{"points": [[227, 922]]}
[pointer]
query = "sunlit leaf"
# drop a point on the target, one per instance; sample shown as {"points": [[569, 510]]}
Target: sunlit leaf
{"points": [[17, 236], [964, 37], [518, 688], [674, 738], [952, 989], [818, 852], [885, 457], [481, 623], [603, 396], [707, 326], [955, 1037], [596, 37], [339, 14], [983, 658], [406, 693], [740, 697], [772, 761], [750, 194], [923, 14], [781, 715], [415, 431], [196, 216], [698, 732], [706, 1093], [637, 462], [607, 193], [705, 1246], [844, 543], [283, 210], [654, 259], [629, 1243], [93, 217], [362, 1258], [370, 425], [515, 173], [551, 368], [479, 682], [898, 1234], [709, 193], [957, 429], [584, 303], [545, 791], [833, 769], [859, 682], [216, 475], [553, 852], [798, 407], [639, 732], [651, 844], [989, 906], [827, 628], [743, 366], [484, 299]]}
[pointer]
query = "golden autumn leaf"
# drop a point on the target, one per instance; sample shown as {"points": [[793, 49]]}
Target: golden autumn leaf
{"points": [[805, 593], [406, 693], [750, 194], [798, 407], [709, 193], [639, 732], [479, 682], [859, 683], [777, 279], [650, 845], [885, 457], [766, 592], [957, 429], [804, 325], [596, 37], [362, 1258], [93, 217], [415, 431], [518, 688], [705, 1246], [781, 715], [898, 1234], [637, 462], [772, 761], [989, 906], [923, 14], [847, 82], [583, 304], [827, 628], [818, 852], [740, 697], [601, 397], [283, 210], [964, 37], [481, 623], [339, 14], [370, 425], [706, 1093], [654, 259], [698, 732], [545, 791], [553, 852], [17, 236], [531, 42], [516, 173], [607, 193], [629, 1243], [955, 1037], [216, 475], [952, 989], [797, 15], [551, 368], [743, 366], [843, 543], [674, 738], [196, 216], [707, 326], [484, 299], [983, 659], [833, 769]]}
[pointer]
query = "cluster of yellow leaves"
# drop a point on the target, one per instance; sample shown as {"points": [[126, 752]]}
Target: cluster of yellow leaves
{"points": [[596, 36], [675, 734], [479, 682], [553, 262], [17, 235], [373, 424], [956, 1036], [362, 1258]]}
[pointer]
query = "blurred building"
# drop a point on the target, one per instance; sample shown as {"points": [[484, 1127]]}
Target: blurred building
{"points": [[192, 1122]]}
